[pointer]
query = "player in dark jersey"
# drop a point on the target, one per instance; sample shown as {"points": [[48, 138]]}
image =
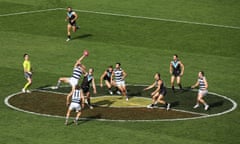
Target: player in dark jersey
{"points": [[159, 93], [86, 84], [71, 18], [176, 70], [106, 76]]}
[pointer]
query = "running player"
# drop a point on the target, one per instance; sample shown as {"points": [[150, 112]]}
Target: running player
{"points": [[176, 70], [159, 93], [119, 81], [87, 81], [71, 18], [106, 76], [203, 85], [78, 70], [27, 73], [77, 103]]}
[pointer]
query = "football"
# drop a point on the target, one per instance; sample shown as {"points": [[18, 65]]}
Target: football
{"points": [[85, 52]]}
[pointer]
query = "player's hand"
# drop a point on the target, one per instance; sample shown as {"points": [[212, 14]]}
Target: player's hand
{"points": [[95, 92], [101, 85], [152, 94]]}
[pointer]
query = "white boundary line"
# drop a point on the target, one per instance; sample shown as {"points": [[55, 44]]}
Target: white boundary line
{"points": [[29, 12], [178, 119], [129, 16]]}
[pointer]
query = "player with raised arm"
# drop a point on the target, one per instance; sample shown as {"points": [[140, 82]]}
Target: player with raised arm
{"points": [[159, 93], [203, 86], [119, 74], [86, 83], [176, 71], [71, 18], [77, 104], [27, 73], [78, 71], [106, 76]]}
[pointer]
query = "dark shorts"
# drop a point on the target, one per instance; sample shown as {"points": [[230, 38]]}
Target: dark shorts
{"points": [[107, 79], [73, 23], [85, 89], [163, 92], [176, 73], [27, 75]]}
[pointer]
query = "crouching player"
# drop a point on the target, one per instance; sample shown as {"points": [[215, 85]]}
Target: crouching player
{"points": [[159, 93], [77, 103]]}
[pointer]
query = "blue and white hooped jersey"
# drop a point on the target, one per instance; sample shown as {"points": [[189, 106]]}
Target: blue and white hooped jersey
{"points": [[77, 73], [118, 74], [76, 97], [202, 85]]}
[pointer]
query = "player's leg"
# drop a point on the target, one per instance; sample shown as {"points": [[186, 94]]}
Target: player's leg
{"points": [[29, 82], [62, 79], [172, 82], [77, 117], [67, 115], [109, 86], [201, 100], [74, 28], [68, 32], [179, 82]]}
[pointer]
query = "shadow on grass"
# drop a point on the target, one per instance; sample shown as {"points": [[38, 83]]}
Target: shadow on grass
{"points": [[82, 36], [216, 104]]}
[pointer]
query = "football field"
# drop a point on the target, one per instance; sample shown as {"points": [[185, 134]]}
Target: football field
{"points": [[141, 34]]}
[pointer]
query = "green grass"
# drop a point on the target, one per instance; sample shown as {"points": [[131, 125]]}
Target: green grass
{"points": [[142, 46]]}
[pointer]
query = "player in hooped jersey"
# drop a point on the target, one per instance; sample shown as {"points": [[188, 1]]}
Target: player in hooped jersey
{"points": [[86, 84], [106, 76], [159, 93], [77, 104], [71, 18], [119, 74], [78, 71], [176, 70], [203, 86]]}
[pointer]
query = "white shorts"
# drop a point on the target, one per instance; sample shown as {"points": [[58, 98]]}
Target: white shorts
{"points": [[73, 81], [203, 92], [120, 83], [75, 106]]}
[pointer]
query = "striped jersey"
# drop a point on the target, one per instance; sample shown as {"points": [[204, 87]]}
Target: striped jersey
{"points": [[76, 97], [202, 85], [118, 74], [77, 72]]}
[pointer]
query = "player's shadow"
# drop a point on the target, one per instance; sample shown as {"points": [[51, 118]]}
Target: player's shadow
{"points": [[174, 104], [103, 103], [82, 36], [216, 104]]}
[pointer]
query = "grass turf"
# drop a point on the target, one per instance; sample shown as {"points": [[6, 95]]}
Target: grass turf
{"points": [[142, 46]]}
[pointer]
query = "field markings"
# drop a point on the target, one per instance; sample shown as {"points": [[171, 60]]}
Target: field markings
{"points": [[177, 119], [129, 16]]}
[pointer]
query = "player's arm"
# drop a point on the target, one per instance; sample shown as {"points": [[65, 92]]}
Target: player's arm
{"points": [[68, 98], [158, 88], [94, 86], [82, 99], [76, 17], [101, 78], [124, 74], [149, 87], [206, 83], [111, 80], [182, 68], [170, 68], [80, 60], [195, 85]]}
